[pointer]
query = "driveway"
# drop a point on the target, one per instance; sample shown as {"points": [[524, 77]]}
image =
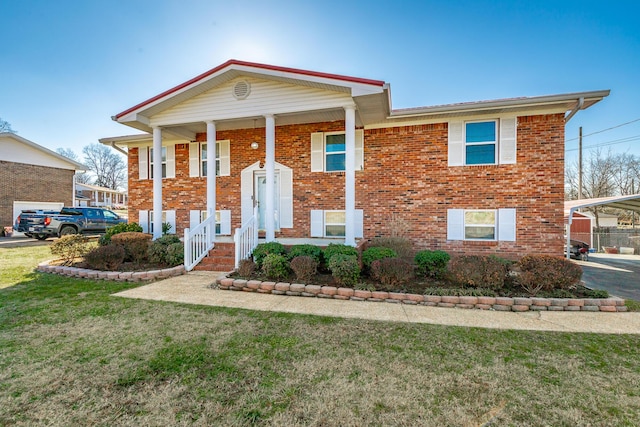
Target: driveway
{"points": [[22, 240], [617, 274]]}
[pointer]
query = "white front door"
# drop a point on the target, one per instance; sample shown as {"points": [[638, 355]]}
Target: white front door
{"points": [[260, 192]]}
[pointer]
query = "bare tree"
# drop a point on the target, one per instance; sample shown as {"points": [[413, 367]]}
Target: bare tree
{"points": [[5, 126], [109, 167], [82, 178]]}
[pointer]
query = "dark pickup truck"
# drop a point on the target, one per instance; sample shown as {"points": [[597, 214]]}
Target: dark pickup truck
{"points": [[83, 220]]}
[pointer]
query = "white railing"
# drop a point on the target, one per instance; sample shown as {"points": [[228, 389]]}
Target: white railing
{"points": [[198, 242], [246, 238]]}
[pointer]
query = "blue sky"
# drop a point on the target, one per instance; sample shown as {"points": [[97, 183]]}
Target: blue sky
{"points": [[67, 66]]}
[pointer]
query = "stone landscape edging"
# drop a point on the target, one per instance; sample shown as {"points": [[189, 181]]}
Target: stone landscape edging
{"points": [[517, 304], [117, 276]]}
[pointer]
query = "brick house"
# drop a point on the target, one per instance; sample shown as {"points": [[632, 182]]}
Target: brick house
{"points": [[322, 157], [32, 177], [94, 195]]}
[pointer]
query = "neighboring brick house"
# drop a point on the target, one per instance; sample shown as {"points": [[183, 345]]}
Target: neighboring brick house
{"points": [[32, 177], [94, 195], [479, 177]]}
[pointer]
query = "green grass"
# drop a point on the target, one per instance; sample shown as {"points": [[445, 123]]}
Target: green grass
{"points": [[71, 354], [16, 264]]}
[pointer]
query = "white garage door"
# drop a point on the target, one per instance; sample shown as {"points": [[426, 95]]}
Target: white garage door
{"points": [[22, 206]]}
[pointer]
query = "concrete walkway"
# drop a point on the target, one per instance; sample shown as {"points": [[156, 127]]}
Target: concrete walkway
{"points": [[193, 288]]}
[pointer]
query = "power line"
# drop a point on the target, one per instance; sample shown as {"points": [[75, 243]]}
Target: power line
{"points": [[604, 130], [607, 143]]}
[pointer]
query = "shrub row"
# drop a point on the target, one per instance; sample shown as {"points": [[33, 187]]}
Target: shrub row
{"points": [[485, 274]]}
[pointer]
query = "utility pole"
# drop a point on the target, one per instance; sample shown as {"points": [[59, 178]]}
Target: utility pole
{"points": [[580, 164]]}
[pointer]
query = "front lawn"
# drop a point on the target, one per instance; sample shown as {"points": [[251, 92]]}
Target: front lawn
{"points": [[71, 354]]}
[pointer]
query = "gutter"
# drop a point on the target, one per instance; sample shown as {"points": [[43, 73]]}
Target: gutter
{"points": [[575, 109], [115, 147]]}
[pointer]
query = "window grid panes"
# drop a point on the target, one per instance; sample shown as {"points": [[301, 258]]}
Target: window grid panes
{"points": [[334, 223], [164, 220], [164, 162], [203, 216], [480, 142], [203, 157], [335, 152], [480, 225]]}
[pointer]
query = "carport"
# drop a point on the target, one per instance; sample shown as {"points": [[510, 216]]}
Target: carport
{"points": [[629, 203]]}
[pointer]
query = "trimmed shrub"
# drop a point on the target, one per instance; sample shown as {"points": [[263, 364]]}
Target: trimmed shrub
{"points": [[338, 249], [478, 271], [136, 245], [312, 251], [345, 268], [304, 267], [70, 247], [546, 272], [263, 249], [246, 268], [376, 253], [432, 263], [392, 271], [175, 254], [159, 252], [108, 257], [402, 246], [105, 239], [275, 266]]}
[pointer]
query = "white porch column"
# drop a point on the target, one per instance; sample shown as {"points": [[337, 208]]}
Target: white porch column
{"points": [[350, 175], [270, 165], [157, 183], [211, 172]]}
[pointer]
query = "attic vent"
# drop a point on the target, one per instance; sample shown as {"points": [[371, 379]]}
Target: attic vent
{"points": [[241, 89]]}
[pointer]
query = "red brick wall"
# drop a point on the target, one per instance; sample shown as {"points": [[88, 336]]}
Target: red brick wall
{"points": [[406, 185], [31, 183]]}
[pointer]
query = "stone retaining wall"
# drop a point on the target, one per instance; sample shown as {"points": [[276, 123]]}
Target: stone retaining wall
{"points": [[610, 305], [119, 276]]}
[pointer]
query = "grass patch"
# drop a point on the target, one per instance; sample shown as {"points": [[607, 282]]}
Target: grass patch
{"points": [[17, 264], [74, 355], [632, 305]]}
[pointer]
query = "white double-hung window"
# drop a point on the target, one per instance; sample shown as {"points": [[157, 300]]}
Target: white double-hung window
{"points": [[203, 156], [482, 142], [329, 151], [481, 224], [164, 162]]}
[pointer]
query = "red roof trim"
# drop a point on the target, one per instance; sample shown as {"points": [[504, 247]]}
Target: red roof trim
{"points": [[254, 65]]}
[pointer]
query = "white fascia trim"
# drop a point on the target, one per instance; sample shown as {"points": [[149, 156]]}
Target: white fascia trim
{"points": [[76, 166], [501, 103]]}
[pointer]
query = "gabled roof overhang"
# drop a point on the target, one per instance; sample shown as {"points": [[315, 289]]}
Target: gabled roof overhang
{"points": [[73, 165], [370, 96], [568, 103]]}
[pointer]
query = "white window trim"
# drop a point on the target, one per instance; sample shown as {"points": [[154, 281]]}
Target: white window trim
{"points": [[494, 225], [505, 225], [495, 141], [164, 162], [223, 220], [318, 223], [333, 153], [326, 223], [203, 161], [319, 151], [506, 141], [223, 158], [167, 216]]}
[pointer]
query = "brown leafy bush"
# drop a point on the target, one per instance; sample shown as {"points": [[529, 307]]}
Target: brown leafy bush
{"points": [[246, 268], [304, 267], [478, 271], [392, 271], [70, 247], [135, 245], [545, 272], [108, 257], [400, 245]]}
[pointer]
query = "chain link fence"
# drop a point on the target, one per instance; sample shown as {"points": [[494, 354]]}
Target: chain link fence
{"points": [[618, 238]]}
